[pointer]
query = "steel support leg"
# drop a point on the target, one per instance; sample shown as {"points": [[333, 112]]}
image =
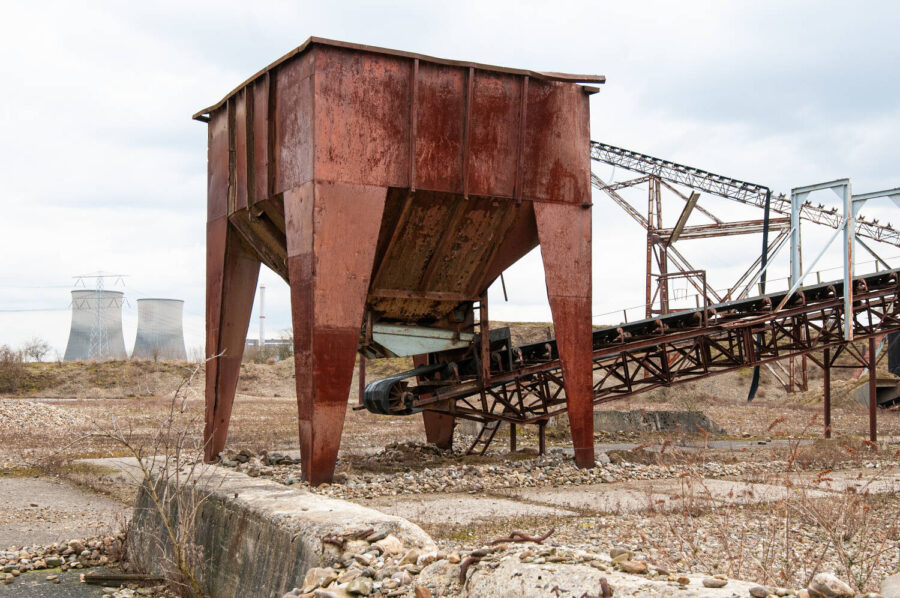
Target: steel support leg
{"points": [[361, 380], [826, 361], [332, 231], [438, 426], [232, 274], [564, 231], [873, 392], [542, 437], [512, 438]]}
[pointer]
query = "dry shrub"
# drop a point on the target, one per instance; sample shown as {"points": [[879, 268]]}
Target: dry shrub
{"points": [[12, 369], [830, 452]]}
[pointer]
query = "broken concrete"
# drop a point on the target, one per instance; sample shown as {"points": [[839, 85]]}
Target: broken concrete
{"points": [[256, 537], [515, 579]]}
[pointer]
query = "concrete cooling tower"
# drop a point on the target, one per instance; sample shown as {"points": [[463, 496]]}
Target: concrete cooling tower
{"points": [[160, 334], [96, 331]]}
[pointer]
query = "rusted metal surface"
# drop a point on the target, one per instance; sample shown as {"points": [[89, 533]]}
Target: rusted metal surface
{"points": [[390, 187], [565, 232], [438, 426]]}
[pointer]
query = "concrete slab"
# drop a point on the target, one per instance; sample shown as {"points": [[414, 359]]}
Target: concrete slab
{"points": [[736, 492], [459, 509], [45, 510], [34, 584], [601, 498], [872, 481], [654, 495]]}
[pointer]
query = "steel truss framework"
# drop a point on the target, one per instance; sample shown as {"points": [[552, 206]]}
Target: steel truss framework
{"points": [[675, 350], [740, 191], [663, 258]]}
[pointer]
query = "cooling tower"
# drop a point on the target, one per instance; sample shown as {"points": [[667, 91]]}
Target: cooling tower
{"points": [[159, 334], [96, 331]]}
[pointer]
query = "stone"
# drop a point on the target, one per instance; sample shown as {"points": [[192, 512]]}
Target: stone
{"points": [[426, 559], [410, 558], [76, 545], [890, 586], [683, 580], [422, 592], [53, 561], [361, 586], [376, 536], [8, 578], [318, 577], [634, 567], [402, 578], [356, 546], [617, 551], [53, 578], [760, 591], [826, 585], [803, 594], [364, 559], [603, 458], [714, 582], [331, 593], [348, 575], [390, 544], [453, 557]]}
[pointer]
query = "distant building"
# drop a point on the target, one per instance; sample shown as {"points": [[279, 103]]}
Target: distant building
{"points": [[160, 333], [96, 331]]}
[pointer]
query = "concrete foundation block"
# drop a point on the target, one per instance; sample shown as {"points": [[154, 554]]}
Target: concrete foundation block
{"points": [[255, 537]]}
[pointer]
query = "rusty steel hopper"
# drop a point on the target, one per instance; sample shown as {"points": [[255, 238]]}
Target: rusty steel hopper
{"points": [[389, 190]]}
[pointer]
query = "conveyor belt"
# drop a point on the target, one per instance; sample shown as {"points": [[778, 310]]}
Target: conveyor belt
{"points": [[645, 354]]}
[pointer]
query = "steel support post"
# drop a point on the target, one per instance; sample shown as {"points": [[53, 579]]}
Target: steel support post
{"points": [[362, 379], [849, 237], [512, 438], [873, 392], [542, 437], [329, 279], [804, 374], [484, 328], [438, 426], [826, 372], [797, 200], [564, 230], [232, 274]]}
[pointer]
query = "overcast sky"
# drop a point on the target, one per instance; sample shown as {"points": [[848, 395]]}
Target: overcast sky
{"points": [[102, 169]]}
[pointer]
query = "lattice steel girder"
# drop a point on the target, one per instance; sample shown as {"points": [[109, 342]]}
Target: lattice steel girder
{"points": [[730, 342], [737, 190]]}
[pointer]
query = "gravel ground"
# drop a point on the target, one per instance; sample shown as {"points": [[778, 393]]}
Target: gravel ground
{"points": [[782, 542]]}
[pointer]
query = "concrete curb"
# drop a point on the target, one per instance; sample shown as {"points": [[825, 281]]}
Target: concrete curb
{"points": [[256, 537]]}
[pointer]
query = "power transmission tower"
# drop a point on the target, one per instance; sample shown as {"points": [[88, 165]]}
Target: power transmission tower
{"points": [[98, 341]]}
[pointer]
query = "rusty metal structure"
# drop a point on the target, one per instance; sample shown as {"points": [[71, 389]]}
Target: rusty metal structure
{"points": [[389, 190]]}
